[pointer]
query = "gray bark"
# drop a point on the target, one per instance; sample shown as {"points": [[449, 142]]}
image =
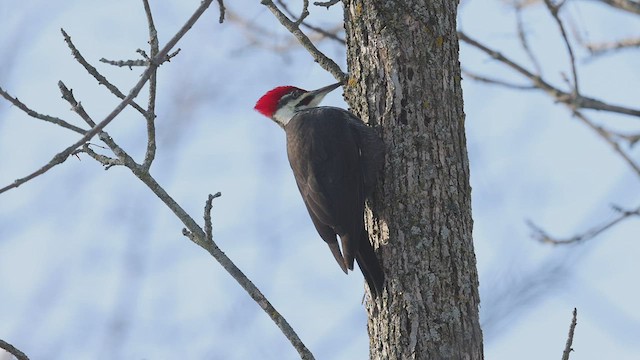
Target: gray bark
{"points": [[405, 80]]}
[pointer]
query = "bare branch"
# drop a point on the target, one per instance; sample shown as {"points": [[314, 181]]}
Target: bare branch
{"points": [[202, 238], [94, 72], [576, 101], [607, 137], [122, 63], [57, 160], [208, 227], [329, 34], [13, 350], [139, 62], [324, 61], [503, 83], [155, 62], [317, 29], [542, 236], [597, 49], [222, 11], [144, 53], [198, 236], [554, 9], [326, 4], [303, 14], [172, 55], [632, 139], [75, 105], [36, 115], [150, 153], [523, 38], [106, 161], [626, 5], [572, 328]]}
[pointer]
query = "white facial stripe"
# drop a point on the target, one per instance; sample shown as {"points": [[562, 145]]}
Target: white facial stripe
{"points": [[285, 113]]}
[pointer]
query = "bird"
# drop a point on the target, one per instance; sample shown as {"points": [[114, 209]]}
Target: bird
{"points": [[336, 159]]}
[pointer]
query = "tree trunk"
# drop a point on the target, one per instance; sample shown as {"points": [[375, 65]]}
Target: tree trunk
{"points": [[405, 80]]}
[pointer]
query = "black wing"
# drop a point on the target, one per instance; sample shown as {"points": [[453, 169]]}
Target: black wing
{"points": [[372, 152], [325, 157]]}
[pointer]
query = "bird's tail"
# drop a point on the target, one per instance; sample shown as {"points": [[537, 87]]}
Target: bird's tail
{"points": [[368, 263]]}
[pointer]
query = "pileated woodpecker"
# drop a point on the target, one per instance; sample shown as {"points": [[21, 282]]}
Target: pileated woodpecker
{"points": [[335, 159]]}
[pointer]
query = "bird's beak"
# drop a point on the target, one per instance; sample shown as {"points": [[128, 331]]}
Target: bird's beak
{"points": [[324, 90], [315, 97]]}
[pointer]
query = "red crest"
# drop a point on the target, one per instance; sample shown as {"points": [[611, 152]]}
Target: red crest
{"points": [[268, 103]]}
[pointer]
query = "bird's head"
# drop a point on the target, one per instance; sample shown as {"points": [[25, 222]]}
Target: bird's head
{"points": [[281, 103]]}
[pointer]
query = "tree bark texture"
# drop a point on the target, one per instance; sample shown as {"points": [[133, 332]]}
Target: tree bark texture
{"points": [[405, 80]]}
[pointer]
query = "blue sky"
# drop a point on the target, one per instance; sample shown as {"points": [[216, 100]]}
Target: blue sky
{"points": [[92, 265]]}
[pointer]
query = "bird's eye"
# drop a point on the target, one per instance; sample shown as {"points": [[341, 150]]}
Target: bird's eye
{"points": [[284, 100]]}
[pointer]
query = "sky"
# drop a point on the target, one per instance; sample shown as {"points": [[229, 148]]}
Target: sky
{"points": [[93, 266]]}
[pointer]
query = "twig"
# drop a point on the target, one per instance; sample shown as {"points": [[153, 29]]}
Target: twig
{"points": [[150, 153], [523, 38], [553, 10], [571, 100], [329, 34], [106, 161], [123, 63], [607, 137], [208, 227], [155, 62], [597, 49], [303, 15], [317, 29], [13, 350], [632, 139], [77, 107], [324, 61], [222, 11], [139, 62], [326, 4], [36, 115], [172, 55], [543, 237], [572, 328], [488, 80], [626, 5], [94, 72], [198, 236], [142, 52]]}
